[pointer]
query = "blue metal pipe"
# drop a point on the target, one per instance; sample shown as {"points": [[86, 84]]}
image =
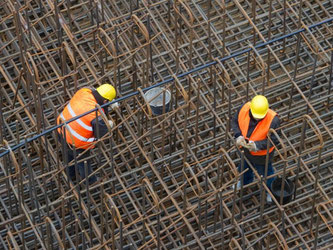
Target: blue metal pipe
{"points": [[168, 80]]}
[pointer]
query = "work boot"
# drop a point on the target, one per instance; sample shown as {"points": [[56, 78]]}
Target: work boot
{"points": [[268, 198], [238, 185]]}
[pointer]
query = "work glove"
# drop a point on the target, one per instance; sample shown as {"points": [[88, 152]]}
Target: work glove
{"points": [[111, 123], [240, 141], [115, 105], [251, 146]]}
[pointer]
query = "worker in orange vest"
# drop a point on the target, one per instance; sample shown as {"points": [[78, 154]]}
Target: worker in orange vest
{"points": [[81, 133], [250, 126]]}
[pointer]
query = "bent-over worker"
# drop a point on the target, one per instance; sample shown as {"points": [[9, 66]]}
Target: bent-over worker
{"points": [[81, 133]]}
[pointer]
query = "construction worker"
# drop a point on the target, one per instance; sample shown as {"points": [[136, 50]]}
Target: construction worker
{"points": [[250, 126], [81, 133]]}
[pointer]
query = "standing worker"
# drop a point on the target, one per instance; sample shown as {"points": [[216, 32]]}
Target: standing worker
{"points": [[251, 125], [82, 132]]}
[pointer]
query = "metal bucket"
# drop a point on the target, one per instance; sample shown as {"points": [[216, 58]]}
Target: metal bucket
{"points": [[154, 97], [288, 191]]}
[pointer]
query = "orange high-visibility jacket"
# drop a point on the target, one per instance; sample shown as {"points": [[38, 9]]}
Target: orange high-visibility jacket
{"points": [[261, 130], [79, 133]]}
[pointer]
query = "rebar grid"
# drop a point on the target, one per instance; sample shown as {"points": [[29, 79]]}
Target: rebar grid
{"points": [[165, 181]]}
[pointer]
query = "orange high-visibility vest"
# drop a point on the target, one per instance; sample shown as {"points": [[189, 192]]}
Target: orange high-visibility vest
{"points": [[79, 133], [261, 130]]}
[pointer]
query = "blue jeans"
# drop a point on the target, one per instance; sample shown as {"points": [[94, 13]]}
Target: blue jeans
{"points": [[248, 175], [80, 166]]}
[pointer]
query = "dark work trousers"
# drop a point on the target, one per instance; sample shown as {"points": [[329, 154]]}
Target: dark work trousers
{"points": [[80, 165], [248, 175]]}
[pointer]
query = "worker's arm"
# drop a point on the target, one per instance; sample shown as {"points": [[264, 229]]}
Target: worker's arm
{"points": [[103, 129], [234, 125], [261, 145]]}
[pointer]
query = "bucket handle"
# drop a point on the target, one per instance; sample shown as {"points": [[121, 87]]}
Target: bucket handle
{"points": [[150, 113]]}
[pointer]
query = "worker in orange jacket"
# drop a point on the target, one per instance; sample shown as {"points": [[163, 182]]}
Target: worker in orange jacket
{"points": [[81, 133], [251, 125]]}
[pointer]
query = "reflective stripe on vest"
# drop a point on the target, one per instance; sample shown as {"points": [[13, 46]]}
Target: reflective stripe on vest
{"points": [[80, 132], [79, 137], [71, 111], [260, 131]]}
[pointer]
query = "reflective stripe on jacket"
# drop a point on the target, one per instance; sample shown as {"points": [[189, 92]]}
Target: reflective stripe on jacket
{"points": [[79, 133], [261, 130]]}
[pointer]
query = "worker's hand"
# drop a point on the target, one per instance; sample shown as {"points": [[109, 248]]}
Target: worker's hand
{"points": [[240, 141], [111, 123], [115, 105], [251, 146]]}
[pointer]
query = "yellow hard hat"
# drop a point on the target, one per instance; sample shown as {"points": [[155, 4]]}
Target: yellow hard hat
{"points": [[259, 106], [107, 91]]}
